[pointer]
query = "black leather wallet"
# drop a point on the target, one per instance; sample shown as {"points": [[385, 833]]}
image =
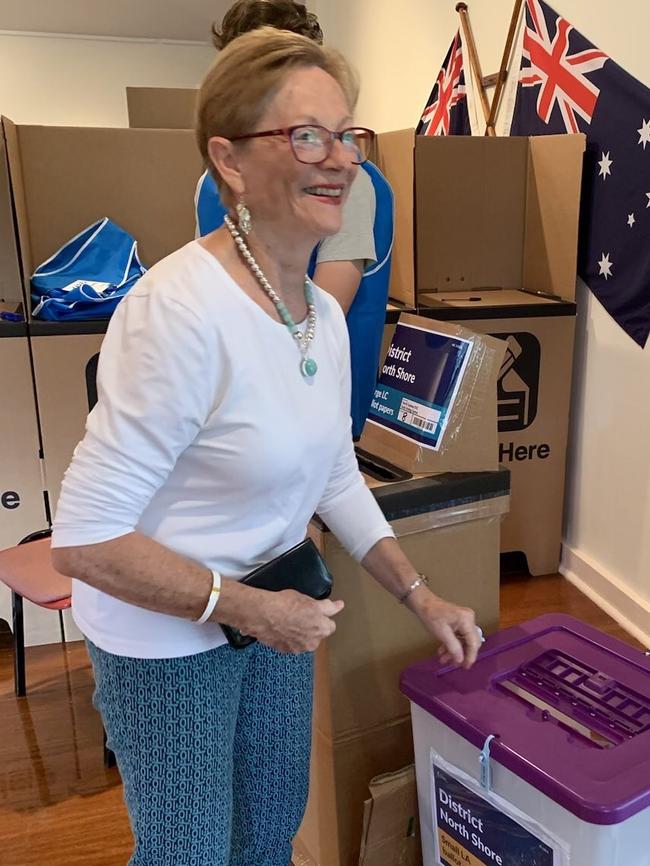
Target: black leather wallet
{"points": [[301, 568]]}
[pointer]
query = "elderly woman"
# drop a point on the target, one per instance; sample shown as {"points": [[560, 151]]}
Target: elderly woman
{"points": [[221, 427]]}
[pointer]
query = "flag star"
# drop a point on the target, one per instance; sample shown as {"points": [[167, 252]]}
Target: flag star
{"points": [[644, 133], [630, 220], [605, 266], [605, 164]]}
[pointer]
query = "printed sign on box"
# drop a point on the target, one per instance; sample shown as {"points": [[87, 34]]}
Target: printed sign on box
{"points": [[435, 407], [470, 831], [419, 383]]}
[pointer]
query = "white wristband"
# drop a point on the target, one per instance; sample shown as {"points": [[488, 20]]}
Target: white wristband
{"points": [[213, 598]]}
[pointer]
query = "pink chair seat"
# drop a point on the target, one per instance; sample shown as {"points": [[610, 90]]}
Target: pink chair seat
{"points": [[59, 604], [27, 569]]}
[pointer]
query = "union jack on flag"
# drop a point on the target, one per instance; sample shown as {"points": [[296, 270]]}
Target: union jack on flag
{"points": [[560, 75], [567, 85], [446, 110]]}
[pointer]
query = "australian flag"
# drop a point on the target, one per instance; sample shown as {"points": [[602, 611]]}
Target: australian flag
{"points": [[567, 85], [446, 110]]}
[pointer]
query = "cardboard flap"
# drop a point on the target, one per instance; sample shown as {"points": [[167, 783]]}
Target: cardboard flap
{"points": [[470, 209], [552, 212], [391, 828], [395, 159], [66, 178], [11, 291], [161, 107], [10, 131]]}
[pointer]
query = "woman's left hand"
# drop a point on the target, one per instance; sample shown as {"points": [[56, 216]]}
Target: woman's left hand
{"points": [[454, 626]]}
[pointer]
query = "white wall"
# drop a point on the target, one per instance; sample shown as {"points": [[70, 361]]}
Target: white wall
{"points": [[81, 82], [398, 50]]}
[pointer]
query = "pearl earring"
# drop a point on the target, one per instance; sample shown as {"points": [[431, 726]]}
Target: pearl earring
{"points": [[243, 217]]}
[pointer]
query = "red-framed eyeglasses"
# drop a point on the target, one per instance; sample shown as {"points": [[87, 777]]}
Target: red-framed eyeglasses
{"points": [[312, 144]]}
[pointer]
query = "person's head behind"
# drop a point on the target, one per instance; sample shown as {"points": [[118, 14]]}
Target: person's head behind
{"points": [[270, 79], [246, 15]]}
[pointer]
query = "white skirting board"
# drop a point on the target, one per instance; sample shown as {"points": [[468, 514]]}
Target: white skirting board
{"points": [[610, 593], [41, 626]]}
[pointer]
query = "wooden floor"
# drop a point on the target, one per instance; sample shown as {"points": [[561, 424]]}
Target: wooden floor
{"points": [[60, 807]]}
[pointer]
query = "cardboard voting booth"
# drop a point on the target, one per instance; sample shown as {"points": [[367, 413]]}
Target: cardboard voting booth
{"points": [[483, 213], [161, 107], [22, 503], [533, 404], [448, 524], [144, 181], [486, 237], [22, 507]]}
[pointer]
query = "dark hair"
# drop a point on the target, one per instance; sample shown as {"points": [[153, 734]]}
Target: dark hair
{"points": [[246, 15]]}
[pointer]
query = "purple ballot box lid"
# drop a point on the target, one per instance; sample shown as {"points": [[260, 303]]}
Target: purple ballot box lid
{"points": [[569, 707]]}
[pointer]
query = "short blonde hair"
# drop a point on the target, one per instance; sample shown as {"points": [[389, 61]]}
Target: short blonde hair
{"points": [[246, 76]]}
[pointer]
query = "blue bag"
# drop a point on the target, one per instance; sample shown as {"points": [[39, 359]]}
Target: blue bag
{"points": [[88, 276]]}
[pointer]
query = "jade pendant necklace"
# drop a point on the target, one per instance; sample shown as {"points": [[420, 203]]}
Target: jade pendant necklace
{"points": [[308, 366]]}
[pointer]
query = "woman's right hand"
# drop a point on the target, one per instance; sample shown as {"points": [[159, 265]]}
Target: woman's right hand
{"points": [[291, 622]]}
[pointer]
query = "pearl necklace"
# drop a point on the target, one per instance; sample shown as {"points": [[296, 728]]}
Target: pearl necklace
{"points": [[308, 366]]}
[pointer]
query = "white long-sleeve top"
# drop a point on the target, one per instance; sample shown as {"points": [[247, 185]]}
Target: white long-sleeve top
{"points": [[207, 438]]}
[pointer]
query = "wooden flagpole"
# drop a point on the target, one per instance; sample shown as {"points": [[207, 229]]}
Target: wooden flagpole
{"points": [[468, 39], [503, 71]]}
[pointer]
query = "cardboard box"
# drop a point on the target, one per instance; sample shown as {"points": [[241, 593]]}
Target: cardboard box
{"points": [[22, 507], [161, 107], [533, 398], [391, 825], [481, 213], [144, 180], [341, 771], [434, 408], [448, 526]]}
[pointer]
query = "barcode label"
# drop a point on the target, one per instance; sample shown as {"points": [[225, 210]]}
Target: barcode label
{"points": [[416, 415], [422, 424]]}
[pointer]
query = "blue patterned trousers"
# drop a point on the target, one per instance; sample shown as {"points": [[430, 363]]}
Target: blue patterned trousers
{"points": [[213, 750]]}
